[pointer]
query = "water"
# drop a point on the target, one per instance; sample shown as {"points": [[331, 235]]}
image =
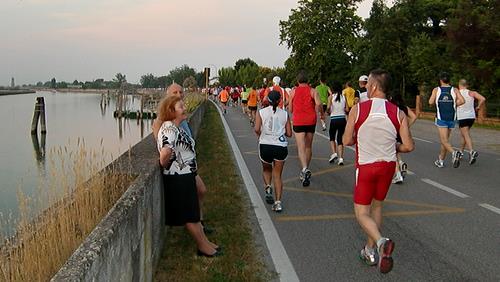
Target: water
{"points": [[70, 116]]}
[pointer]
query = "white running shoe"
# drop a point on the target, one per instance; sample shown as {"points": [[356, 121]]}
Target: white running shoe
{"points": [[341, 161], [456, 156], [439, 163], [398, 178], [277, 206], [333, 157], [473, 157]]}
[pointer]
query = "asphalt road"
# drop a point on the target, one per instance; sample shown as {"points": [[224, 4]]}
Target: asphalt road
{"points": [[445, 222]]}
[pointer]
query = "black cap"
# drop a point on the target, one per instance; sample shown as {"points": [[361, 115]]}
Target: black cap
{"points": [[273, 97]]}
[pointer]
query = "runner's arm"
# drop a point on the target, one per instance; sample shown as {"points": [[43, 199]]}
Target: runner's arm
{"points": [[480, 98], [329, 104], [290, 105], [288, 127], [317, 101], [460, 99], [258, 123], [407, 145], [412, 117], [348, 138], [432, 99]]}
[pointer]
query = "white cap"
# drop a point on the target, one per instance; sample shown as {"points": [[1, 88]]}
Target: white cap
{"points": [[276, 80], [363, 78]]}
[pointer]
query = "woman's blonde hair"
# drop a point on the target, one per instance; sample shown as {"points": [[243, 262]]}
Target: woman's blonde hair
{"points": [[166, 108]]}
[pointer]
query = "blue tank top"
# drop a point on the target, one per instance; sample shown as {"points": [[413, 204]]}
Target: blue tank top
{"points": [[445, 104]]}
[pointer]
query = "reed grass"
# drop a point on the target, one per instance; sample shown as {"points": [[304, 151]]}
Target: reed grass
{"points": [[75, 199]]}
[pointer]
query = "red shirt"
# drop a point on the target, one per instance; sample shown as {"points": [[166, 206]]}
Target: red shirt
{"points": [[304, 107]]}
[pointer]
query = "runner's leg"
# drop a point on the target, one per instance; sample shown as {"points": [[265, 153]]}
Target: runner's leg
{"points": [[278, 183], [308, 140], [300, 140]]}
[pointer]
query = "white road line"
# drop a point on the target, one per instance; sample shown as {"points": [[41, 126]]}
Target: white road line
{"points": [[423, 140], [328, 138], [490, 207], [410, 172], [445, 188], [279, 256]]}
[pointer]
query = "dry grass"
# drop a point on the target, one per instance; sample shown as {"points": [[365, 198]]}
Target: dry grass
{"points": [[80, 197], [225, 210]]}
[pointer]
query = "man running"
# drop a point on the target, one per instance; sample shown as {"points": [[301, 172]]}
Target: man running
{"points": [[466, 115], [224, 97], [324, 92], [252, 104], [304, 105], [284, 98], [349, 94], [446, 99], [244, 100], [361, 94], [373, 127]]}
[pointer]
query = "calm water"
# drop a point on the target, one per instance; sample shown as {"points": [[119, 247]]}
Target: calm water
{"points": [[70, 116]]}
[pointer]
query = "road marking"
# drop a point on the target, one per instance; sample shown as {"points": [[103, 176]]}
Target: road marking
{"points": [[316, 173], [445, 188], [428, 209], [328, 138], [409, 172], [423, 140], [278, 253], [490, 207]]}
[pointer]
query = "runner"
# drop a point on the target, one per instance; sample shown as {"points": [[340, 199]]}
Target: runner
{"points": [[284, 95], [324, 93], [305, 103], [466, 115], [373, 127], [244, 100], [252, 104], [235, 96], [361, 94], [349, 95], [446, 99], [337, 107], [401, 166], [224, 97], [273, 127]]}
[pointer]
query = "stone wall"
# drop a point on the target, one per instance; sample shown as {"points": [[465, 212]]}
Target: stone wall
{"points": [[127, 244]]}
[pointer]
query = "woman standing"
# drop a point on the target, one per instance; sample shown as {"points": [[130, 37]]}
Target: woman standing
{"points": [[178, 160], [272, 125], [337, 107]]}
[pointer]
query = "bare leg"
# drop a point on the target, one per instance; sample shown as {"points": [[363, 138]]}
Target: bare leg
{"points": [[444, 136], [199, 237], [340, 151], [308, 147], [267, 173], [368, 223], [278, 183], [301, 148], [466, 139], [333, 146], [202, 190]]}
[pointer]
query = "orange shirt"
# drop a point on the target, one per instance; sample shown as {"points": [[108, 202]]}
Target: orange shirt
{"points": [[284, 95], [252, 98], [224, 96]]}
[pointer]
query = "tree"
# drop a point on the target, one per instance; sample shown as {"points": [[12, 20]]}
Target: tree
{"points": [[248, 75], [227, 76], [178, 74], [53, 83], [120, 79], [321, 35], [189, 82], [244, 62], [149, 81]]}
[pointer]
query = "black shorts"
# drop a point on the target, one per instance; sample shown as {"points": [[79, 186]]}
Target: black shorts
{"points": [[225, 103], [324, 108], [337, 128], [270, 153], [252, 108], [181, 199], [466, 122], [244, 102], [304, 128]]}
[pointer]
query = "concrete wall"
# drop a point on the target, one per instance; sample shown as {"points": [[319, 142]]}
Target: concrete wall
{"points": [[127, 244]]}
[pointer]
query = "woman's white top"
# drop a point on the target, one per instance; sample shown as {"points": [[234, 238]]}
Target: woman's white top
{"points": [[337, 109], [183, 157], [273, 127]]}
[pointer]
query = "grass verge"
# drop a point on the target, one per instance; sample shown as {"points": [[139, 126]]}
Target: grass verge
{"points": [[225, 210]]}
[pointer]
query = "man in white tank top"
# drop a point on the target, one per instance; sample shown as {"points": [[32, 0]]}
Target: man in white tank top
{"points": [[373, 126], [466, 115]]}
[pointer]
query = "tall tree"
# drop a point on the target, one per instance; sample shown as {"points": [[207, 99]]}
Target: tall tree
{"points": [[244, 62], [178, 74]]}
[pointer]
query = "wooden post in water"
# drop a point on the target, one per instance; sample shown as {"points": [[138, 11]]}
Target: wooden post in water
{"points": [[39, 114]]}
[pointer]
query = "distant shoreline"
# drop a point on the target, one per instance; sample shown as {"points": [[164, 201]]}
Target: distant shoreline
{"points": [[16, 92]]}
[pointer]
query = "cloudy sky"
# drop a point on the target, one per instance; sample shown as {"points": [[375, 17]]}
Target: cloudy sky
{"points": [[89, 39]]}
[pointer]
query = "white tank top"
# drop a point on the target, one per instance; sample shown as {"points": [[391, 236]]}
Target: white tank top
{"points": [[466, 111], [376, 135], [273, 127], [337, 109]]}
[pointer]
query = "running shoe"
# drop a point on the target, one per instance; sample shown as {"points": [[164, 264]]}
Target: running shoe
{"points": [[369, 257], [473, 157], [277, 206], [307, 178], [323, 127], [269, 194], [398, 178], [439, 163], [404, 169], [455, 157], [333, 157], [341, 161], [385, 261]]}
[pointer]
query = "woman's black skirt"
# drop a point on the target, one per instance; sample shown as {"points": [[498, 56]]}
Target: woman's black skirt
{"points": [[181, 199]]}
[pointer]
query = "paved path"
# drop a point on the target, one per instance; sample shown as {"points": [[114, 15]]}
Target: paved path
{"points": [[445, 222]]}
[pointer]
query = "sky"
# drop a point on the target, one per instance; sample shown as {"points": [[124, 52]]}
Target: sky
{"points": [[90, 39]]}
